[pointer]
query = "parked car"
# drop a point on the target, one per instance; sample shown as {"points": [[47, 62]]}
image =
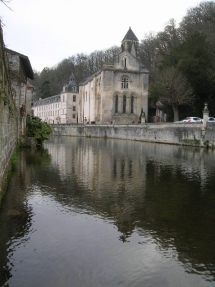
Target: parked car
{"points": [[192, 120], [211, 119]]}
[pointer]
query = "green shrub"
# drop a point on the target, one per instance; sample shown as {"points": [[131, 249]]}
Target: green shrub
{"points": [[14, 159], [38, 129]]}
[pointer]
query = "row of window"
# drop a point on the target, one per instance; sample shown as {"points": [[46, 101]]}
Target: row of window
{"points": [[50, 113], [52, 106], [54, 113], [47, 107], [124, 103]]}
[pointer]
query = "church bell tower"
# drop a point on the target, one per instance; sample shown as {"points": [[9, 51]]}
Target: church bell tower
{"points": [[130, 43]]}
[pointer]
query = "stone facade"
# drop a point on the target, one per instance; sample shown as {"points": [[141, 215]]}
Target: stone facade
{"points": [[20, 71], [119, 91], [14, 71], [30, 98], [59, 109]]}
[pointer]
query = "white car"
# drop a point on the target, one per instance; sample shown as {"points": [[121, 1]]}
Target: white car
{"points": [[192, 120], [211, 119]]}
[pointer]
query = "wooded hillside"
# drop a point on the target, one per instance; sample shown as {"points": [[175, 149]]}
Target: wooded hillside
{"points": [[188, 49]]}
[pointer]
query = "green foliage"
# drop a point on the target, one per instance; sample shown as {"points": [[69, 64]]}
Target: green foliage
{"points": [[190, 49], [38, 129], [46, 89], [206, 144], [14, 159], [194, 59]]}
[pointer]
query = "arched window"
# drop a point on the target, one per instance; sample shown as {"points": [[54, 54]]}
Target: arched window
{"points": [[125, 62], [124, 83], [132, 105], [116, 104], [124, 105]]}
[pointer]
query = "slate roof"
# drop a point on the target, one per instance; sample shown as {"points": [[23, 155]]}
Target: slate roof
{"points": [[130, 36], [47, 101]]}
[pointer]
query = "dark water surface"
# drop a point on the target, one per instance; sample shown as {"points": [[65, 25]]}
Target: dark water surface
{"points": [[94, 212]]}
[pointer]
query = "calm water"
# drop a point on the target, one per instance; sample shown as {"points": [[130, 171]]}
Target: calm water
{"points": [[94, 212]]}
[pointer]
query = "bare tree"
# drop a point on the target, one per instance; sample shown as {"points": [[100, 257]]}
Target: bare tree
{"points": [[5, 2], [200, 18], [173, 89]]}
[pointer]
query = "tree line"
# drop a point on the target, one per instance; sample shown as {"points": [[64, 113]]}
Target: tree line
{"points": [[51, 80], [180, 60]]}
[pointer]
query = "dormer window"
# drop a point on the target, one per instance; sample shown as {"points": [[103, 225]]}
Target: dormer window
{"points": [[124, 83]]}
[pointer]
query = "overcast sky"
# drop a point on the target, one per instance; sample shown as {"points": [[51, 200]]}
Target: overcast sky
{"points": [[49, 31]]}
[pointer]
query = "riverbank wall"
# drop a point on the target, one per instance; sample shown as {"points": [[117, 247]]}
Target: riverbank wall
{"points": [[8, 142], [8, 118], [192, 134]]}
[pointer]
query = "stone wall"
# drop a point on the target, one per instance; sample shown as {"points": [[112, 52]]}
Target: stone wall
{"points": [[171, 133], [8, 140], [8, 118]]}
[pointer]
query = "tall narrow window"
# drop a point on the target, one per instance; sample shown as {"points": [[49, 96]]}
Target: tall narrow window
{"points": [[132, 105], [124, 83], [124, 105], [74, 98], [125, 63], [116, 104]]}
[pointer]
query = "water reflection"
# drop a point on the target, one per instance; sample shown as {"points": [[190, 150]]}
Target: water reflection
{"points": [[153, 203]]}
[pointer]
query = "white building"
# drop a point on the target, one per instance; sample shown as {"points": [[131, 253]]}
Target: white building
{"points": [[59, 109]]}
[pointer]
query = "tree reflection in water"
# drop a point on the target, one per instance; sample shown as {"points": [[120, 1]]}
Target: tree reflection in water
{"points": [[161, 191]]}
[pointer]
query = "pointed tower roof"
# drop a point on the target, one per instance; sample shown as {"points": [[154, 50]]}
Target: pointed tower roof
{"points": [[130, 36]]}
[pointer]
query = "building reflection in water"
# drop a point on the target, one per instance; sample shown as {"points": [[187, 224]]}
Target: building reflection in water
{"points": [[142, 188]]}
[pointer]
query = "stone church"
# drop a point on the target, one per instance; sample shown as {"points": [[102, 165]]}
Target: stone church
{"points": [[116, 94], [119, 91]]}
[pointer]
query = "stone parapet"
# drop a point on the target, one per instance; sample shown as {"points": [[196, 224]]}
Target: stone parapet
{"points": [[170, 133]]}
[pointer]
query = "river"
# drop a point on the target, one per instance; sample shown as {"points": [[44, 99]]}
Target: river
{"points": [[100, 212]]}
